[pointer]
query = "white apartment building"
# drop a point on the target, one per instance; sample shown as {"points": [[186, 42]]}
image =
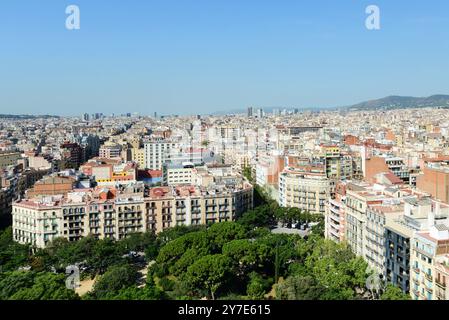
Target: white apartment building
{"points": [[155, 153], [181, 174], [376, 219], [37, 222], [110, 150]]}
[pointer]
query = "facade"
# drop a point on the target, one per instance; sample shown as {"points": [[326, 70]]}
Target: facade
{"points": [[156, 153], [337, 165], [442, 278], [426, 247], [110, 151], [376, 219], [37, 223], [181, 174], [304, 190], [114, 213], [435, 180], [8, 159], [110, 171], [358, 198], [71, 155], [268, 169], [52, 185], [138, 156], [335, 215], [397, 255]]}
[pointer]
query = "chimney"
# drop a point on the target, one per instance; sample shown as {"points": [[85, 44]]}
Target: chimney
{"points": [[431, 218], [437, 209]]}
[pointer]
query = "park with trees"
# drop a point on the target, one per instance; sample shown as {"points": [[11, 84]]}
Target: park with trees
{"points": [[228, 260], [242, 259]]}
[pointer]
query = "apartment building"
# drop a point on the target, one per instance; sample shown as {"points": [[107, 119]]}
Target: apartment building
{"points": [[338, 166], [108, 212], [9, 159], [358, 198], [376, 219], [110, 150], [427, 246], [157, 152], [399, 232], [110, 171], [138, 156], [37, 222], [178, 174], [268, 168], [52, 185], [442, 277], [335, 215], [435, 179], [304, 189]]}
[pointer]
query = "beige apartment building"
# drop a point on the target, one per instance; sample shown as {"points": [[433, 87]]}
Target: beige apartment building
{"points": [[111, 213], [442, 278], [138, 156], [8, 159], [305, 190], [358, 198], [426, 248]]}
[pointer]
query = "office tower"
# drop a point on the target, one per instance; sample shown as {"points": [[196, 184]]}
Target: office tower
{"points": [[250, 111]]}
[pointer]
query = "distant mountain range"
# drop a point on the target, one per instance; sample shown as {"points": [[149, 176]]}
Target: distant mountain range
{"points": [[398, 102], [387, 103]]}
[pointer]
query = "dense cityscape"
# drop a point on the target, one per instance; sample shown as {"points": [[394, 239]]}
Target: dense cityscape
{"points": [[224, 159], [175, 207]]}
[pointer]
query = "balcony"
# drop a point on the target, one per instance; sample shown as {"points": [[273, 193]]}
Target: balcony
{"points": [[440, 284]]}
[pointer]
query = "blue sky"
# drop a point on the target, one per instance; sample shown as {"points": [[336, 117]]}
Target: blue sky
{"points": [[200, 56]]}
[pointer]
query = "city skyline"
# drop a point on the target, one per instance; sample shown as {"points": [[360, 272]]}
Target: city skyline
{"points": [[203, 57]]}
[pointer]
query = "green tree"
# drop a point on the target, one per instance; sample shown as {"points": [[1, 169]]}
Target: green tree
{"points": [[104, 254], [209, 273], [336, 268], [12, 254], [394, 293], [257, 286], [187, 259], [247, 255], [176, 232], [175, 249], [257, 218], [299, 288], [137, 242], [27, 285], [115, 279], [221, 233]]}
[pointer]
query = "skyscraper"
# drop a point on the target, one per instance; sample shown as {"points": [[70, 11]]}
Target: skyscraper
{"points": [[250, 111]]}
